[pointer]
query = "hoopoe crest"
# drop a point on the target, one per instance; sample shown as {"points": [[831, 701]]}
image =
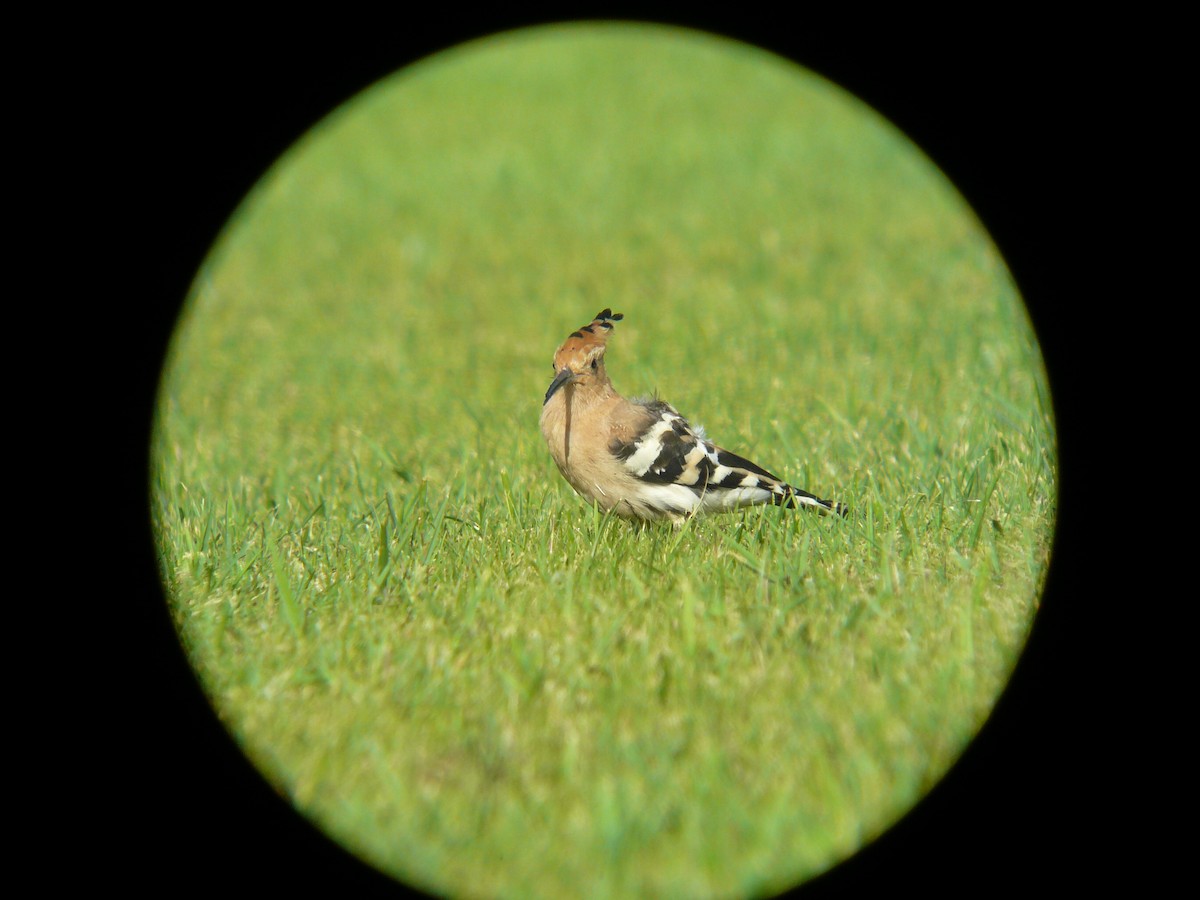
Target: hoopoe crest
{"points": [[640, 458]]}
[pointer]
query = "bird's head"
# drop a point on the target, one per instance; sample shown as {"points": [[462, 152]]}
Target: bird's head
{"points": [[580, 359]]}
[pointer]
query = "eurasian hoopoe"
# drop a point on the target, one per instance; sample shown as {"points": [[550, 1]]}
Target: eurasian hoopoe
{"points": [[640, 458]]}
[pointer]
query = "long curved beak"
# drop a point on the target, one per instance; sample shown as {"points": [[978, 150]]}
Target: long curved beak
{"points": [[563, 377]]}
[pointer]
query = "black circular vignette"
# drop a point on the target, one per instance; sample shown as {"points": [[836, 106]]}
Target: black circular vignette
{"points": [[208, 112]]}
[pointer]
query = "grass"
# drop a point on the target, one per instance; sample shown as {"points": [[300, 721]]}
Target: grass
{"points": [[444, 658]]}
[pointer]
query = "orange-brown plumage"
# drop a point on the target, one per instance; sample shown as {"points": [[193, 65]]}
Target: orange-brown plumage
{"points": [[640, 458]]}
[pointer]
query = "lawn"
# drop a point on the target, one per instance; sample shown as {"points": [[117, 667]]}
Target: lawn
{"points": [[447, 660]]}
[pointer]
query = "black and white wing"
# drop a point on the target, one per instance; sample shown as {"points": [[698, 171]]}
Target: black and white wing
{"points": [[680, 471]]}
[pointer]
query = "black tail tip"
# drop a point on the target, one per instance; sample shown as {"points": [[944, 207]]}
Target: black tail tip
{"points": [[794, 497]]}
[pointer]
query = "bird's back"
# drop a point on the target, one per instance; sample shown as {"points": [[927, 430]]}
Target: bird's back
{"points": [[672, 454]]}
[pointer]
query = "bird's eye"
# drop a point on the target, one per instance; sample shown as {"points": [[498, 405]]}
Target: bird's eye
{"points": [[595, 365]]}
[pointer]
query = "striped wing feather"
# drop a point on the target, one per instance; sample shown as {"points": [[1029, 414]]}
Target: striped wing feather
{"points": [[670, 452]]}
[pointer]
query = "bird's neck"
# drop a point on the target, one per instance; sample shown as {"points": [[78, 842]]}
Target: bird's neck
{"points": [[570, 405]]}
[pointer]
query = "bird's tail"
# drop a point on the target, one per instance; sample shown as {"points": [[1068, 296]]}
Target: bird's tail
{"points": [[792, 497]]}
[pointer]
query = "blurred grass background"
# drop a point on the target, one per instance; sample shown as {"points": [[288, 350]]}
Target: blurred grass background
{"points": [[438, 652]]}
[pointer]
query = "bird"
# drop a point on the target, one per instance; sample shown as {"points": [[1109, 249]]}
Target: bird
{"points": [[639, 458]]}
